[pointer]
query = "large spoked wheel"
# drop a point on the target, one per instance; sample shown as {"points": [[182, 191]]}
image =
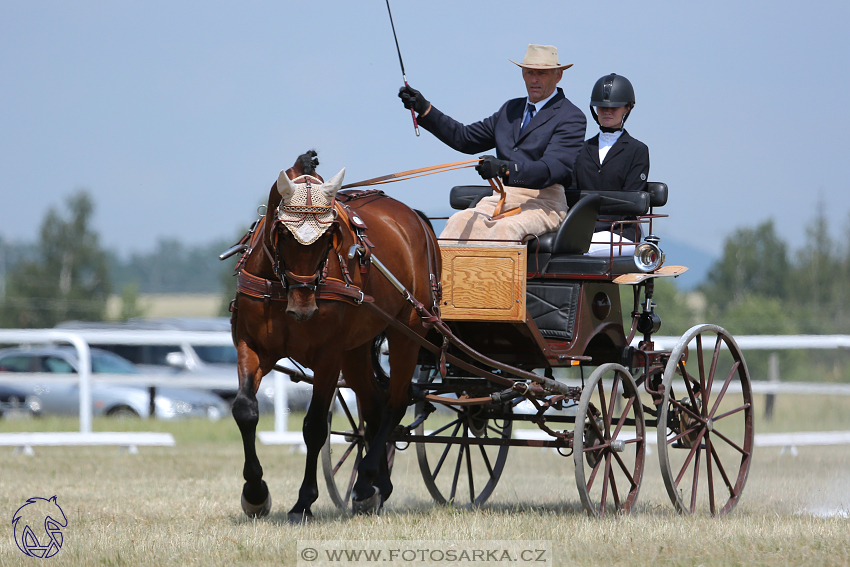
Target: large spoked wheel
{"points": [[609, 442], [340, 460], [464, 475], [705, 422]]}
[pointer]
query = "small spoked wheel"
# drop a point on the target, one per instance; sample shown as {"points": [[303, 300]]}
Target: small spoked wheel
{"points": [[466, 461], [705, 422], [609, 442], [343, 451]]}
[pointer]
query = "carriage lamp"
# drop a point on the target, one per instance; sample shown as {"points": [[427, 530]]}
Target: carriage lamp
{"points": [[648, 256]]}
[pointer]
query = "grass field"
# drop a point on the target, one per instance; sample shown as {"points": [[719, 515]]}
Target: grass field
{"points": [[180, 505]]}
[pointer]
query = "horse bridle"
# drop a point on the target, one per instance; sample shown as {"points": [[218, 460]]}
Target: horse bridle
{"points": [[287, 277]]}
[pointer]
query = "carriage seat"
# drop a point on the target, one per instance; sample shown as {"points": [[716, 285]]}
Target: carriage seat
{"points": [[562, 250]]}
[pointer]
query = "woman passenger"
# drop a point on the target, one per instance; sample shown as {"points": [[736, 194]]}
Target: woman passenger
{"points": [[612, 160]]}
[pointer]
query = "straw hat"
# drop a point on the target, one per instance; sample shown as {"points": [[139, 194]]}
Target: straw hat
{"points": [[541, 57]]}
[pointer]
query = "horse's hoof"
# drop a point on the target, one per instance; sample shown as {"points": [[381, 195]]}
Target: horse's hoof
{"points": [[371, 505], [300, 517], [257, 510]]}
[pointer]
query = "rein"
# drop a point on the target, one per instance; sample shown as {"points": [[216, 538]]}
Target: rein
{"points": [[496, 183]]}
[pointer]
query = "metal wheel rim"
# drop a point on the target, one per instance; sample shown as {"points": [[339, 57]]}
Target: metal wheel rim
{"points": [[612, 430], [354, 450], [702, 448]]}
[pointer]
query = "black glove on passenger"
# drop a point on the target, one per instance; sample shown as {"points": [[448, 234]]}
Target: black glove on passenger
{"points": [[411, 98], [491, 167]]}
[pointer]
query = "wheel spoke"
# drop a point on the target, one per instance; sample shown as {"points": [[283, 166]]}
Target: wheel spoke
{"points": [[672, 440], [351, 480], [731, 443], [695, 483], [347, 412], [444, 455], [687, 409], [728, 381], [614, 492], [602, 407], [614, 388], [710, 476], [344, 456], [593, 474], [693, 450], [605, 479], [457, 473], [625, 470], [730, 412], [623, 418], [486, 461], [722, 471], [714, 359], [443, 428], [469, 474]]}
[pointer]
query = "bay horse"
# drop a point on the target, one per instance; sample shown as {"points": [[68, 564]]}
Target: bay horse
{"points": [[301, 295]]}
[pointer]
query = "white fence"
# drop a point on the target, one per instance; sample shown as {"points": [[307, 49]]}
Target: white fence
{"points": [[80, 339]]}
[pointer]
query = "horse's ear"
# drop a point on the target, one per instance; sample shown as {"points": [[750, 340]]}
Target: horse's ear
{"points": [[329, 188], [284, 186]]}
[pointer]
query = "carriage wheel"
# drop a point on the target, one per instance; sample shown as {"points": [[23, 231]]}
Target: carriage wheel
{"points": [[609, 442], [339, 462], [705, 422], [458, 474]]}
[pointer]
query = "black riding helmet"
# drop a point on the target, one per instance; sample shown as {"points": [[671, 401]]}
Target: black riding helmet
{"points": [[612, 91]]}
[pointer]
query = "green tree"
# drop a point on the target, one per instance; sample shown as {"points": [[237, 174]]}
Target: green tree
{"points": [[755, 261], [68, 279]]}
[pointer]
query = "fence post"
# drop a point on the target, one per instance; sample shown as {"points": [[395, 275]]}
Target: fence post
{"points": [[773, 378], [281, 402]]}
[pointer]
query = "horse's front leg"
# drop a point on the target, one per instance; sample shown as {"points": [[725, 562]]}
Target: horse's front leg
{"points": [[315, 430], [256, 501]]}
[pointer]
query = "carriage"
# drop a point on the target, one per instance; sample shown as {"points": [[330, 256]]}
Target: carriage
{"points": [[512, 344], [546, 306]]}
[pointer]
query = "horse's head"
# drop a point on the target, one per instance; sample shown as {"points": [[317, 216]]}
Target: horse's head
{"points": [[303, 236]]}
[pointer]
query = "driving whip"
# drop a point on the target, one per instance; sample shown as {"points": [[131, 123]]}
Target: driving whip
{"points": [[403, 75]]}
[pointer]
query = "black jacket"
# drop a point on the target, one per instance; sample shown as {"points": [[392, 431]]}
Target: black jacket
{"points": [[626, 168], [541, 156]]}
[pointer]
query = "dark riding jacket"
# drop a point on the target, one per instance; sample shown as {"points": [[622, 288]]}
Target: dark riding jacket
{"points": [[625, 168], [542, 155]]}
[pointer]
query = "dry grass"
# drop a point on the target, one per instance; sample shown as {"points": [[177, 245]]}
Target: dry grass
{"points": [[180, 506]]}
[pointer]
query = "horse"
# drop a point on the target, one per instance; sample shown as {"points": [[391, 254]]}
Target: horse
{"points": [[304, 295]]}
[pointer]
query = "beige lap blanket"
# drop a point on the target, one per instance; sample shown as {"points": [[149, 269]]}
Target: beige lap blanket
{"points": [[541, 210]]}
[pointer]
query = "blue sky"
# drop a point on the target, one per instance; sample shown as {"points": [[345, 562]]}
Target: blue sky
{"points": [[177, 116]]}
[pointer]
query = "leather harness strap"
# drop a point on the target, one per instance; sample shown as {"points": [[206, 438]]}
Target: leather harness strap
{"points": [[332, 289]]}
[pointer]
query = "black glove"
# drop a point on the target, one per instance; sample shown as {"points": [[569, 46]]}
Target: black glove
{"points": [[411, 98], [491, 167]]}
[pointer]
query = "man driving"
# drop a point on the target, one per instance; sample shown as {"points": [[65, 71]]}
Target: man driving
{"points": [[536, 138]]}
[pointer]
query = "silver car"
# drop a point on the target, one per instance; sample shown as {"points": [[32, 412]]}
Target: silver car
{"points": [[62, 397]]}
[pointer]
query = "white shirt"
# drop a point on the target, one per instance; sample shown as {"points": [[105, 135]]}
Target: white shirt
{"points": [[606, 140], [537, 105]]}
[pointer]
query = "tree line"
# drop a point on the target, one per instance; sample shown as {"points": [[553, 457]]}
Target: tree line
{"points": [[68, 274], [758, 286]]}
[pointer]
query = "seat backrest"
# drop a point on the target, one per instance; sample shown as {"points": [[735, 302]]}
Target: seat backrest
{"points": [[576, 231], [657, 193], [465, 196]]}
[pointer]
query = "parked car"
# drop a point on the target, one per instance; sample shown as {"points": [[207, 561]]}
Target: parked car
{"points": [[12, 400], [62, 397], [186, 360]]}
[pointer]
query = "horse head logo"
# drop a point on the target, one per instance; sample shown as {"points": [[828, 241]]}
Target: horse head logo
{"points": [[38, 527]]}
